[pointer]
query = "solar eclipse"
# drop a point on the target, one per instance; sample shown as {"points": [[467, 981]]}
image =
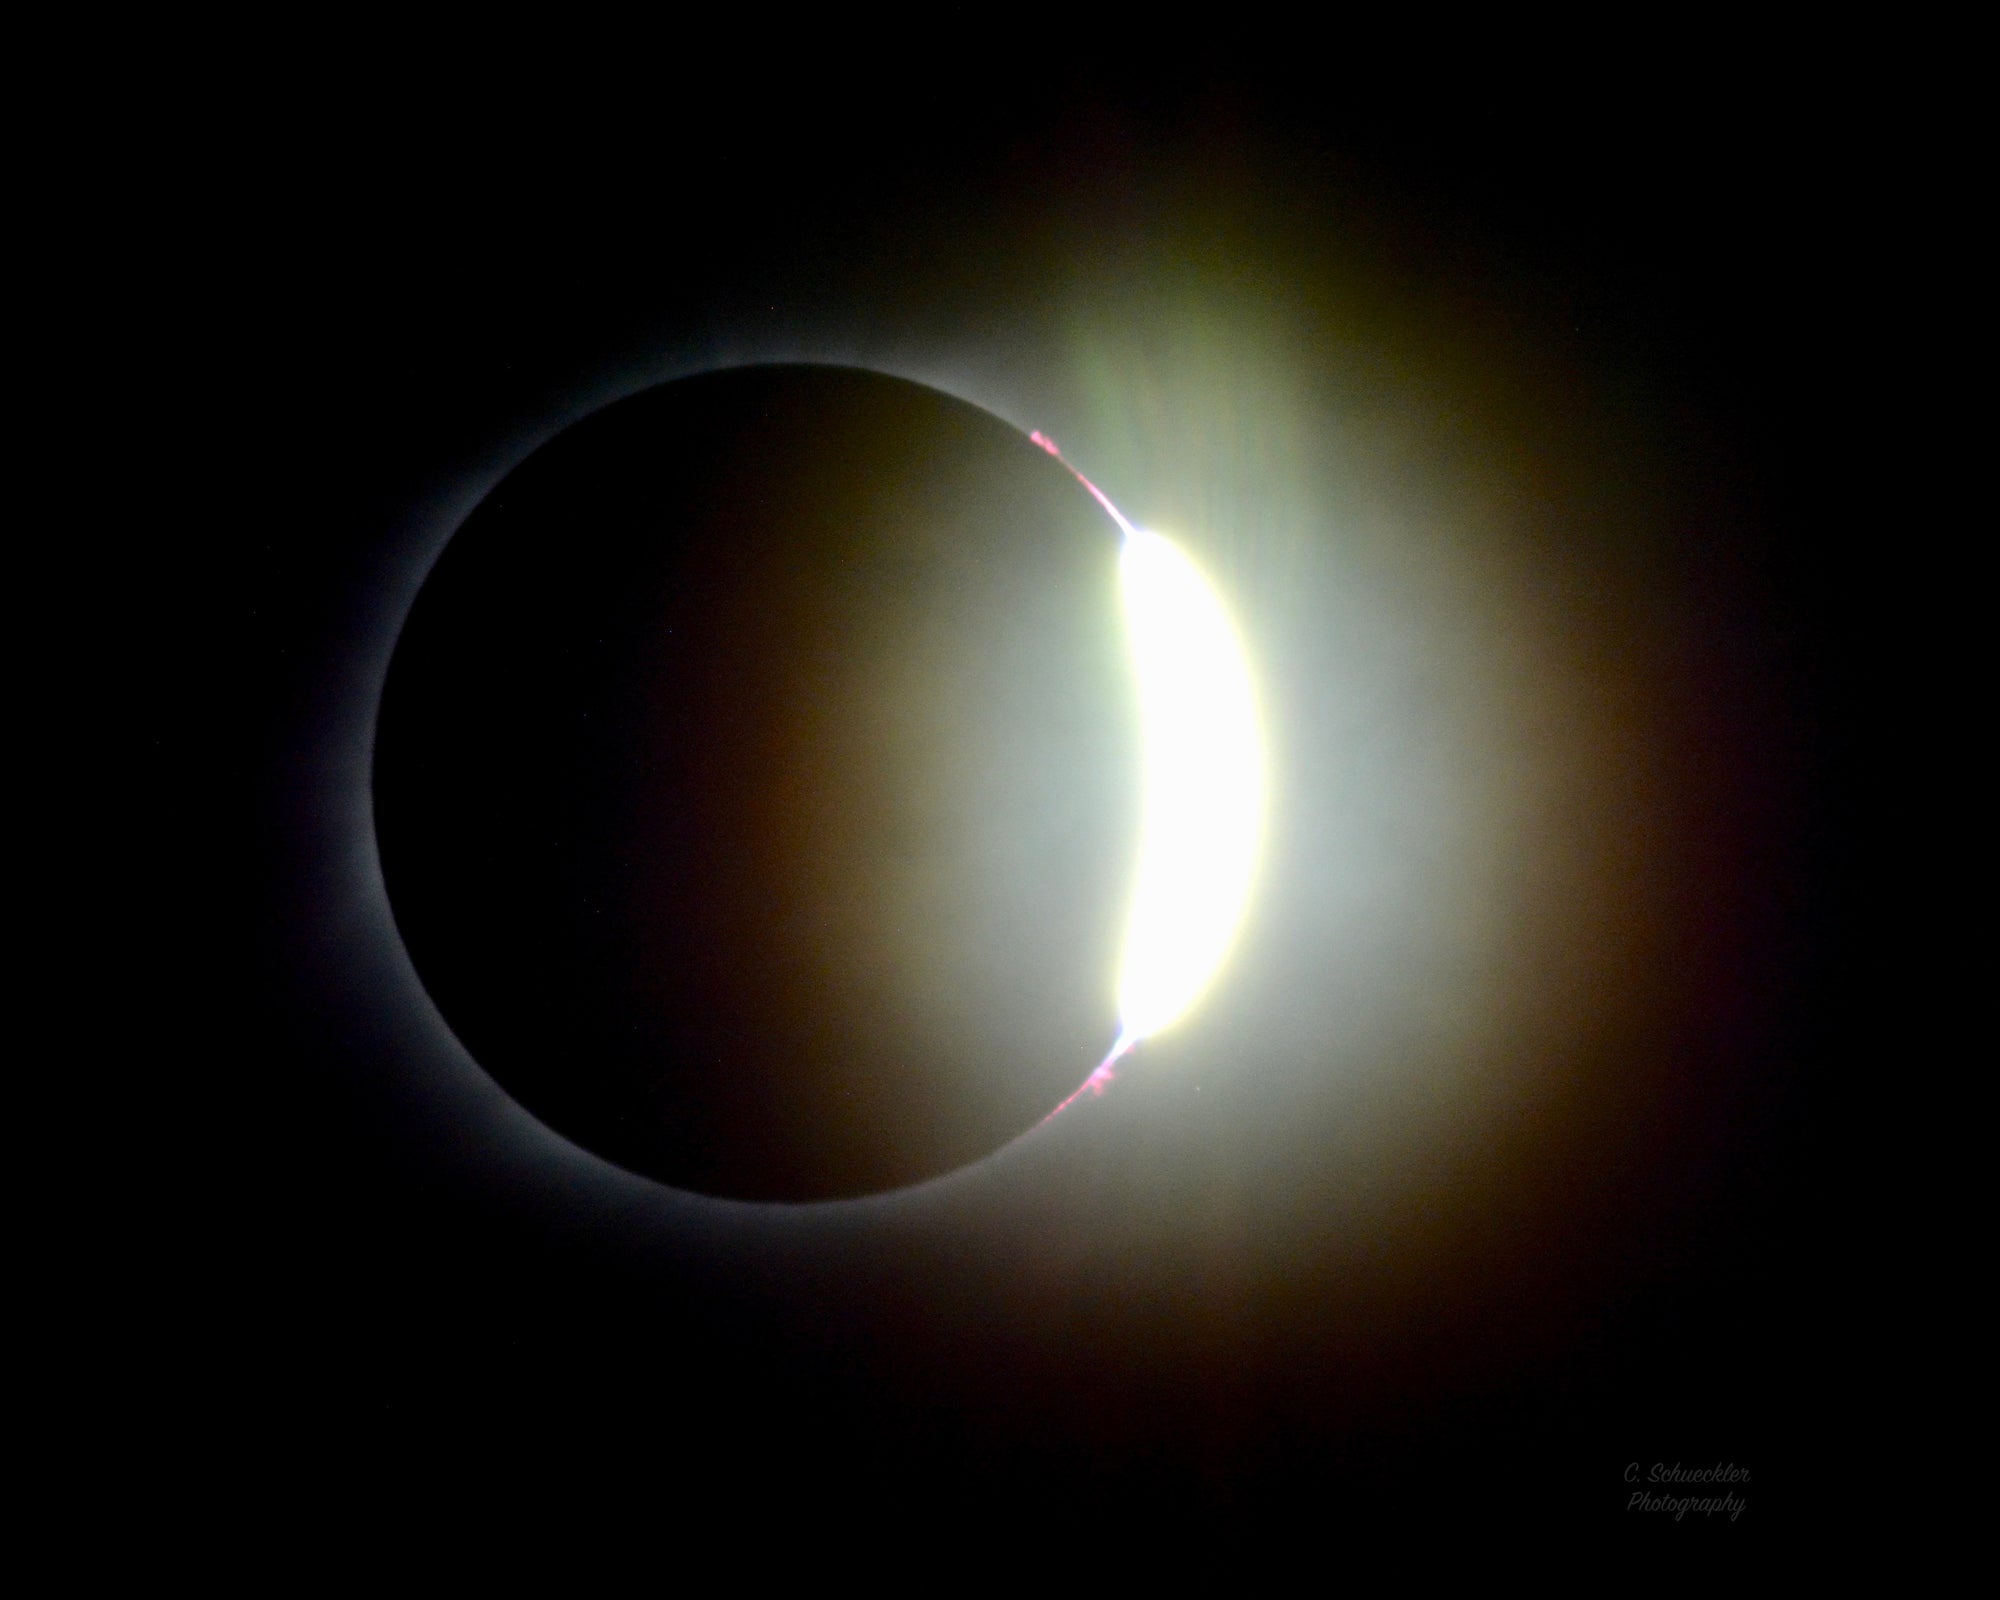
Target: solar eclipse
{"points": [[759, 783], [615, 778]]}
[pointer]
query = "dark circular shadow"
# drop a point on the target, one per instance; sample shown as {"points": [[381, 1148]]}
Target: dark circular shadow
{"points": [[756, 783]]}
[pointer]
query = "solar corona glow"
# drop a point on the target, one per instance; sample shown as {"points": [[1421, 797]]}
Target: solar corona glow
{"points": [[1203, 785]]}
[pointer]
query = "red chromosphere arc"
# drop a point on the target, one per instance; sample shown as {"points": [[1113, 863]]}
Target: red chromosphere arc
{"points": [[1106, 1072], [1103, 499]]}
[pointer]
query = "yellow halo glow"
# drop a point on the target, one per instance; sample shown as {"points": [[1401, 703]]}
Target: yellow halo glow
{"points": [[1203, 788]]}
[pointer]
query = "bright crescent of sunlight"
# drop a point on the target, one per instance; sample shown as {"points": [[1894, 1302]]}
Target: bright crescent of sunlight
{"points": [[1203, 791]]}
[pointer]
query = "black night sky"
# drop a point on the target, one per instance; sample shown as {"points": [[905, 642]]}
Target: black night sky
{"points": [[1497, 1162]]}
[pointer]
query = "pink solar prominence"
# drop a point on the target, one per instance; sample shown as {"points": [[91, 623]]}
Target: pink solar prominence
{"points": [[1101, 1079]]}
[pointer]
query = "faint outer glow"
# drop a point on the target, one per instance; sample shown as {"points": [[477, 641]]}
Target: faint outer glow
{"points": [[1204, 784]]}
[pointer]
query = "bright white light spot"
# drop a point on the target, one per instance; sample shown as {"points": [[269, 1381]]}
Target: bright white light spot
{"points": [[1204, 784]]}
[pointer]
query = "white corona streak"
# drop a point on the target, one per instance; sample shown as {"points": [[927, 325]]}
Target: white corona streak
{"points": [[1203, 792]]}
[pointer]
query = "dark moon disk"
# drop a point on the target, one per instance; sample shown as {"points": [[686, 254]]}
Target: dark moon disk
{"points": [[757, 786]]}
